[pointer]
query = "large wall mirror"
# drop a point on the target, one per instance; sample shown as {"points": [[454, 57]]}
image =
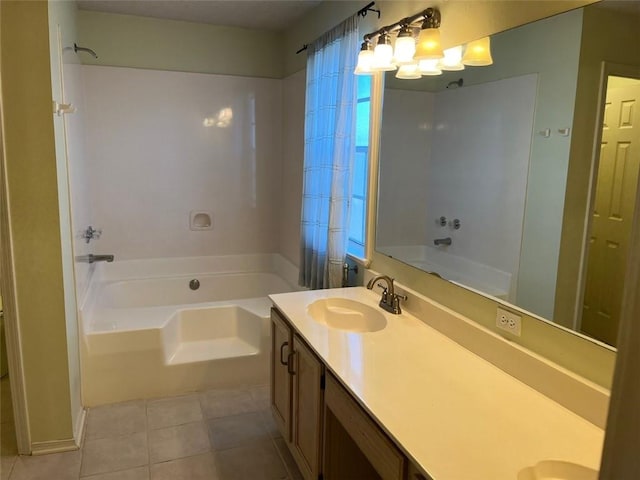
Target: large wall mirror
{"points": [[475, 164]]}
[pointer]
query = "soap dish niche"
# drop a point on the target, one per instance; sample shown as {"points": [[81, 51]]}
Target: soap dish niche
{"points": [[200, 220]]}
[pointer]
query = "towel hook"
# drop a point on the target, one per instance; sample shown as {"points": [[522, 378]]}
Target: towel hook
{"points": [[77, 49]]}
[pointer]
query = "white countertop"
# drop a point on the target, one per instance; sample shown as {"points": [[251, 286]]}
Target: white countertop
{"points": [[456, 415]]}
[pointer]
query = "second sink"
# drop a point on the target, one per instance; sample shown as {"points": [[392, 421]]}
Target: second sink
{"points": [[347, 314]]}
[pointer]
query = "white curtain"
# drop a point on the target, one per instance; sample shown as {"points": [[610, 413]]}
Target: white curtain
{"points": [[329, 153]]}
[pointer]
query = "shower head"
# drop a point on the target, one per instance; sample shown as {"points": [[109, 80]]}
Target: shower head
{"points": [[456, 83]]}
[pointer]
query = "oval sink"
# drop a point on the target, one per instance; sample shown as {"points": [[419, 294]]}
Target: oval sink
{"points": [[347, 314], [557, 470]]}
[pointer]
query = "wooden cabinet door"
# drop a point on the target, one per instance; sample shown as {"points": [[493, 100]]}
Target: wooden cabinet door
{"points": [[281, 352], [306, 441]]}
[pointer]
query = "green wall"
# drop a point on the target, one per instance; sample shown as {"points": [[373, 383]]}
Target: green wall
{"points": [[34, 216], [142, 42]]}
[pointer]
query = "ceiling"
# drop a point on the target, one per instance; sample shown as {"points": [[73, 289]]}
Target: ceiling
{"points": [[269, 15]]}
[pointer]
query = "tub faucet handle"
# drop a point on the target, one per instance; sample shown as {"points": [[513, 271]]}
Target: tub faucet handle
{"points": [[91, 233]]}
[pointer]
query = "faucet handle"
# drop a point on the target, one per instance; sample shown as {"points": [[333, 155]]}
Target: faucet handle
{"points": [[91, 233], [396, 302]]}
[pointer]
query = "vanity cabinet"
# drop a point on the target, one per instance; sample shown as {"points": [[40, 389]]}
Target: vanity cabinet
{"points": [[297, 384], [329, 435], [281, 383]]}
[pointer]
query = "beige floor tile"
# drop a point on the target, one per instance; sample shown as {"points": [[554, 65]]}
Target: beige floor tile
{"points": [[61, 466], [115, 453], [167, 412], [237, 430], [287, 458], [116, 420], [254, 461], [178, 441], [138, 473], [199, 467], [270, 424], [261, 396], [223, 403]]}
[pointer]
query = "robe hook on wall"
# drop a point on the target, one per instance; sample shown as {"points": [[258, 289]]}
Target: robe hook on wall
{"points": [[77, 49], [456, 83]]}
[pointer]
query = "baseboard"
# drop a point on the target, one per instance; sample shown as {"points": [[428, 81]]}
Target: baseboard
{"points": [[53, 446]]}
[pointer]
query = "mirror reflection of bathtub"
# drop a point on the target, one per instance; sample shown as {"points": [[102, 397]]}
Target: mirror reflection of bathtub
{"points": [[496, 153]]}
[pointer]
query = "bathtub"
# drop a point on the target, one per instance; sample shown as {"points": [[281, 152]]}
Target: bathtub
{"points": [[147, 333]]}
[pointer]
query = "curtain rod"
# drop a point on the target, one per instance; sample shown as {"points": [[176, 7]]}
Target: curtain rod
{"points": [[362, 12]]}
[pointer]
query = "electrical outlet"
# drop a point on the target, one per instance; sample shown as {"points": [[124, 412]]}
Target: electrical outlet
{"points": [[509, 321]]}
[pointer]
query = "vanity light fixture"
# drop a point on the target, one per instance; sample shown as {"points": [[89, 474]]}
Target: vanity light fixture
{"points": [[383, 55], [478, 53], [365, 59], [424, 56]]}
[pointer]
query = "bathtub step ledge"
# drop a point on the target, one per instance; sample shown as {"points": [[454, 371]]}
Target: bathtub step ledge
{"points": [[204, 350]]}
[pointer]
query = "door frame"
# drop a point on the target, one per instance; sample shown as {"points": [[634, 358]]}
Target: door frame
{"points": [[9, 304], [606, 69]]}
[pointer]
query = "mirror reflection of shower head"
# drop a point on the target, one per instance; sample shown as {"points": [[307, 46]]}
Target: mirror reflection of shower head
{"points": [[456, 83], [77, 49]]}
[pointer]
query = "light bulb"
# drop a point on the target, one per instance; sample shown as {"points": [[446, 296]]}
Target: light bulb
{"points": [[478, 53], [452, 59], [405, 46], [383, 55], [428, 47], [409, 72], [429, 67], [365, 60]]}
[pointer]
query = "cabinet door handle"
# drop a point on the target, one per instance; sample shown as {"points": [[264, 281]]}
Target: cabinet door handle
{"points": [[282, 352], [290, 363]]}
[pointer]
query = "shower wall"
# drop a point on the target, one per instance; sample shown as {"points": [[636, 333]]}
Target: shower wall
{"points": [[162, 145]]}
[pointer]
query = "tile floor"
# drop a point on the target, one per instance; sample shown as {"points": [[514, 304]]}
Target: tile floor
{"points": [[222, 434]]}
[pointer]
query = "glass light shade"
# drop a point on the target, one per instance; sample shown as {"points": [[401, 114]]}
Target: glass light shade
{"points": [[429, 67], [382, 58], [404, 50], [409, 72], [478, 53], [428, 47], [452, 59], [365, 62]]}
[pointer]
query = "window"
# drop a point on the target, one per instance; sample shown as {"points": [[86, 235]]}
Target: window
{"points": [[357, 223]]}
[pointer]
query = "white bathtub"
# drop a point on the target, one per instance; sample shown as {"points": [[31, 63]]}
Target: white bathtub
{"points": [[145, 333]]}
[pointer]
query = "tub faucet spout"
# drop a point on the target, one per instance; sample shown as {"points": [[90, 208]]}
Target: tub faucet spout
{"points": [[94, 258]]}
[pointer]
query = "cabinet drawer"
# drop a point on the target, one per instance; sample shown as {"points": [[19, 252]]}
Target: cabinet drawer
{"points": [[381, 452]]}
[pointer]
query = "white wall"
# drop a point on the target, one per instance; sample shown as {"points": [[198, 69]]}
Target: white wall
{"points": [[293, 87], [152, 161], [405, 144]]}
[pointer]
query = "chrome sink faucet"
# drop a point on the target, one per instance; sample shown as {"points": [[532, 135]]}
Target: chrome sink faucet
{"points": [[390, 300]]}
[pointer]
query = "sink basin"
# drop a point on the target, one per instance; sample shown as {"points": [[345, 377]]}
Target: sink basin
{"points": [[557, 470], [347, 314]]}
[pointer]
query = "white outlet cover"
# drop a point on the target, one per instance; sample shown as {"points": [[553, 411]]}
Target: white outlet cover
{"points": [[509, 321]]}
